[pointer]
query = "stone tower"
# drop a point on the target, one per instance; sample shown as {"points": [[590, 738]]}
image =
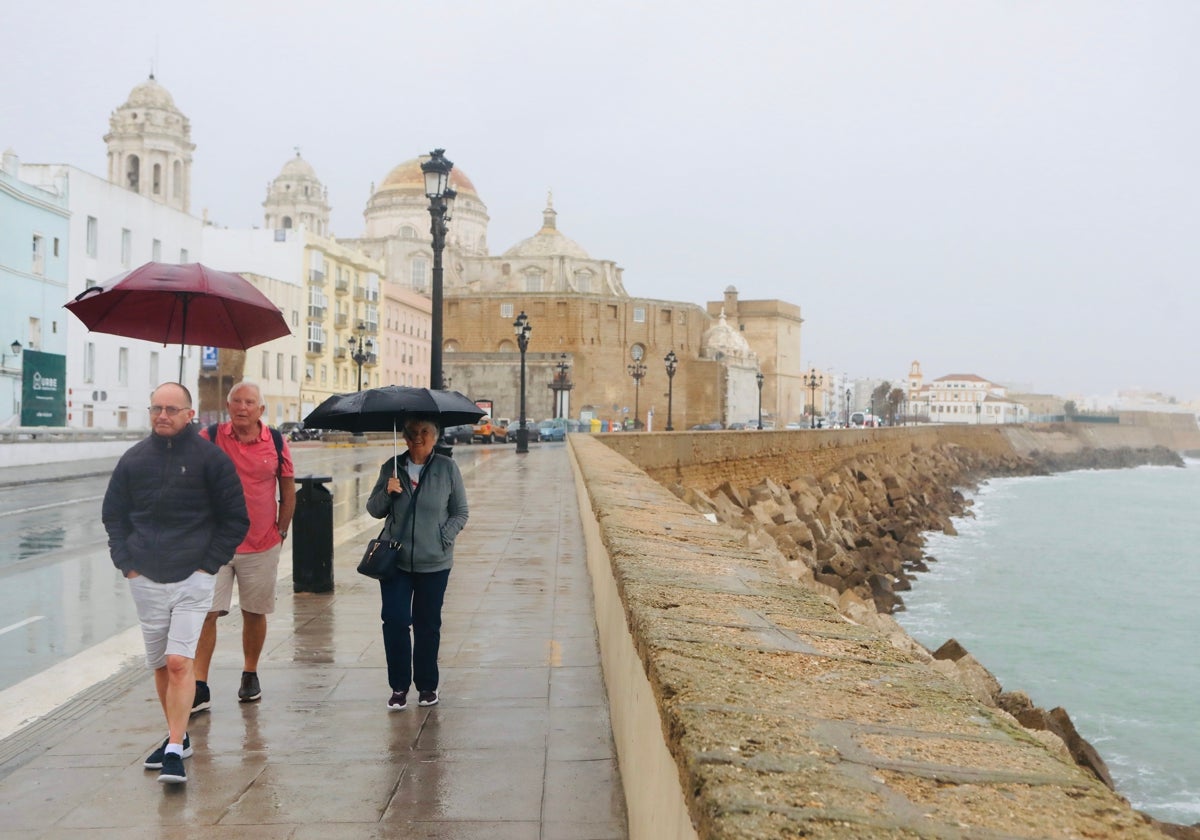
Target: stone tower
{"points": [[150, 147], [296, 197]]}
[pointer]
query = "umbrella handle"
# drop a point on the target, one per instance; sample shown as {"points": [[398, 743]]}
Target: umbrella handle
{"points": [[93, 290]]}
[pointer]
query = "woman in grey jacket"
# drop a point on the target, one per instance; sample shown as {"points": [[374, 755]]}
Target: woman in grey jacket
{"points": [[423, 493]]}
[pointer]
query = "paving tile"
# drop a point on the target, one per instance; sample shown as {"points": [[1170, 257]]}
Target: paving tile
{"points": [[472, 786]]}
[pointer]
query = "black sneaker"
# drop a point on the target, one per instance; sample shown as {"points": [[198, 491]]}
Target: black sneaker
{"points": [[155, 760], [250, 690], [398, 702], [202, 699], [172, 772], [427, 698]]}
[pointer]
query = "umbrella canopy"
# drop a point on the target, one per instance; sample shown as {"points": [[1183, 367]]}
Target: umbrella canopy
{"points": [[385, 409], [186, 303]]}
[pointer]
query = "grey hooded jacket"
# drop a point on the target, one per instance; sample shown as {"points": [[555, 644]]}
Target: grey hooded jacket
{"points": [[425, 520]]}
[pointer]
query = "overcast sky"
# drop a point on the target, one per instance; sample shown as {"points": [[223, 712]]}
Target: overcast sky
{"points": [[1002, 188]]}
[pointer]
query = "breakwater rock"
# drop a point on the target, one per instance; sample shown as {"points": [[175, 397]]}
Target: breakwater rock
{"points": [[856, 535]]}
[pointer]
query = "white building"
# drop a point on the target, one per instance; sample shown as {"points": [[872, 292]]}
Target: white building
{"points": [[961, 398]]}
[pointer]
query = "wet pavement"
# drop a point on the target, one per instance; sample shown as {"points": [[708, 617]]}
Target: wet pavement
{"points": [[519, 748]]}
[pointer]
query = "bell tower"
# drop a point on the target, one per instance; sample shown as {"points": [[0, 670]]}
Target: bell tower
{"points": [[150, 147]]}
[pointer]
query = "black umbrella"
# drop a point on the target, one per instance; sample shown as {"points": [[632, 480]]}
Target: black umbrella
{"points": [[385, 409]]}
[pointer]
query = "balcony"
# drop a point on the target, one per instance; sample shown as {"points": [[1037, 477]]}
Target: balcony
{"points": [[340, 353], [315, 348], [342, 286], [341, 320], [360, 293], [316, 278], [316, 313]]}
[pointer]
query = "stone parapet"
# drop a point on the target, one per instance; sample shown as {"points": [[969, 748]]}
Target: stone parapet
{"points": [[776, 714]]}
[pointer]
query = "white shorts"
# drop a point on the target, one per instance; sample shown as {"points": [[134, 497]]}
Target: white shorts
{"points": [[171, 614], [257, 576]]}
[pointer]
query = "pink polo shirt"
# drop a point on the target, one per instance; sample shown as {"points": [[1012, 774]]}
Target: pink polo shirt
{"points": [[256, 465]]}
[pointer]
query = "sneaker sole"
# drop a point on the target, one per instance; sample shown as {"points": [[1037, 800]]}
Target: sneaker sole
{"points": [[253, 699], [392, 708], [202, 707], [171, 780], [427, 702]]}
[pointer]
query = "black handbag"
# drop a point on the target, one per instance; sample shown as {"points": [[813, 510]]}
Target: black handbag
{"points": [[382, 557]]}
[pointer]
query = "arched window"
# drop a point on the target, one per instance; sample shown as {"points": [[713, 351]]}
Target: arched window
{"points": [[156, 184], [133, 172], [408, 232], [507, 346], [287, 222], [177, 179]]}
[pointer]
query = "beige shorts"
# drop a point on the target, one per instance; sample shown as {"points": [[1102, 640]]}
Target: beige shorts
{"points": [[257, 575]]}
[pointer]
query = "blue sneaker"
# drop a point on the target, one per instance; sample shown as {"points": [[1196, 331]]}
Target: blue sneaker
{"points": [[172, 772], [155, 760]]}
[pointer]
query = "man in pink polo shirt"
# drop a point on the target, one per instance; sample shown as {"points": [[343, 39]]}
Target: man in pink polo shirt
{"points": [[264, 469]]}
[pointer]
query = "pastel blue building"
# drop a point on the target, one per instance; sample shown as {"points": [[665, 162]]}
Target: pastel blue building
{"points": [[34, 226]]}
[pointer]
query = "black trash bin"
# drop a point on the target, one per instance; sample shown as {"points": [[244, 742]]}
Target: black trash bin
{"points": [[312, 533]]}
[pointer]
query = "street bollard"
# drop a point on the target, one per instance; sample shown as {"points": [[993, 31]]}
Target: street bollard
{"points": [[312, 528]]}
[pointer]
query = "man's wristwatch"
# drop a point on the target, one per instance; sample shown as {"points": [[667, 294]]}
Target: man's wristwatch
{"points": [[282, 534]]}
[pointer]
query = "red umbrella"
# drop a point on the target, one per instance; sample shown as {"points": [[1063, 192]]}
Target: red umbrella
{"points": [[185, 303]]}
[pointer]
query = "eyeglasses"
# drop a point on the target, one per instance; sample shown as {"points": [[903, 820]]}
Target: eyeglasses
{"points": [[413, 434], [171, 410]]}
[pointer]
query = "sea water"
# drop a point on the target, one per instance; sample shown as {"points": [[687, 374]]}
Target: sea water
{"points": [[1081, 589]]}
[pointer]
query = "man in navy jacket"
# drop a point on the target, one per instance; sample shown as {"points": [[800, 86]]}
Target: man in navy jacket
{"points": [[174, 513]]}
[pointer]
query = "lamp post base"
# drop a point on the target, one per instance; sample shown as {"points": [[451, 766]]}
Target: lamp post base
{"points": [[522, 441]]}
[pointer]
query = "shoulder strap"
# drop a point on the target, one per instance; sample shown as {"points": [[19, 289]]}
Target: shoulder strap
{"points": [[277, 437], [212, 433]]}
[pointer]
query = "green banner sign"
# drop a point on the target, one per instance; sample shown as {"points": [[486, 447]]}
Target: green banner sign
{"points": [[43, 389]]}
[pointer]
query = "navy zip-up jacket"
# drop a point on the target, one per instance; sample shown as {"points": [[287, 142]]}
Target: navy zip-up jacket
{"points": [[174, 505]]}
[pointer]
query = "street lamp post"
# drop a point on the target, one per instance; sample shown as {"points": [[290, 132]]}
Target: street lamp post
{"points": [[522, 329], [671, 362], [847, 408], [637, 370], [441, 203], [758, 377], [361, 349], [813, 380]]}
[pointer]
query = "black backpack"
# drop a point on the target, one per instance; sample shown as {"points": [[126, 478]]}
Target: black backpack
{"points": [[275, 436]]}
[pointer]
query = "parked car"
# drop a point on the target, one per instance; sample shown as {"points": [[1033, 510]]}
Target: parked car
{"points": [[551, 430], [488, 430], [707, 427], [531, 429], [295, 430], [457, 434]]}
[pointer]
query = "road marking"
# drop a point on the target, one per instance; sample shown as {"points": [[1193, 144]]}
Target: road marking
{"points": [[50, 505], [21, 624]]}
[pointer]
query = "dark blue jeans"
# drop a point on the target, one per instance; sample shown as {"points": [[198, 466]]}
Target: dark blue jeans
{"points": [[413, 598]]}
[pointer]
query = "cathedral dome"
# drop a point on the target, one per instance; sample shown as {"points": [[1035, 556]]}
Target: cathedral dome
{"points": [[298, 167], [547, 242], [724, 339], [408, 177], [150, 94]]}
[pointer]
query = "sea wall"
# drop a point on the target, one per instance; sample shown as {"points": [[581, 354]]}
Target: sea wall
{"points": [[787, 705]]}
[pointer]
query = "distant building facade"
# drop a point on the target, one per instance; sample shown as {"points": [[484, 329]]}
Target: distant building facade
{"points": [[961, 398]]}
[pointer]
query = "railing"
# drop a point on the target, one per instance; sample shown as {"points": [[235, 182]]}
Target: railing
{"points": [[316, 348], [316, 278], [341, 320], [339, 353], [341, 286]]}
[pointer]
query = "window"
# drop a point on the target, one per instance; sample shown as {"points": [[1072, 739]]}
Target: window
{"points": [[154, 369], [295, 369], [183, 255], [279, 366], [89, 362], [639, 314], [177, 179], [419, 267], [533, 282], [506, 310], [123, 366], [92, 235], [56, 246], [126, 246], [156, 251], [39, 254], [157, 179], [266, 364]]}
